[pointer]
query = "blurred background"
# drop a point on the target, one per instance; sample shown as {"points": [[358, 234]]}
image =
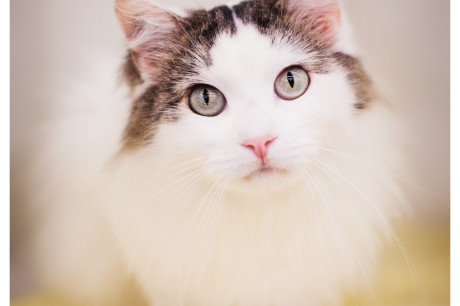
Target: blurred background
{"points": [[404, 45]]}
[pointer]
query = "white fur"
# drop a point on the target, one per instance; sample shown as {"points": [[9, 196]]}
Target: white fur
{"points": [[178, 216]]}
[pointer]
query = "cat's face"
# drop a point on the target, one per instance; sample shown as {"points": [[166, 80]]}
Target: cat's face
{"points": [[250, 92]]}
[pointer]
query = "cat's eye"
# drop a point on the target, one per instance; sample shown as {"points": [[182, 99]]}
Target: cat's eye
{"points": [[292, 83], [206, 100]]}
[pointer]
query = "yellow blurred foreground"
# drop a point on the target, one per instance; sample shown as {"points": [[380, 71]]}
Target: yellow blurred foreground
{"points": [[428, 247]]}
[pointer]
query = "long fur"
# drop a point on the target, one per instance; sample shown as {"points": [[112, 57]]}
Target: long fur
{"points": [[176, 216]]}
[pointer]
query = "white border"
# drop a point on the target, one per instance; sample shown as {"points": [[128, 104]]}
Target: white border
{"points": [[5, 150], [455, 150]]}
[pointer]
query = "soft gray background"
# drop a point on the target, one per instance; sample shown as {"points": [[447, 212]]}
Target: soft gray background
{"points": [[404, 43]]}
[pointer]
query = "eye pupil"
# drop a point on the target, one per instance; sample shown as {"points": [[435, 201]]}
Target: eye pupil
{"points": [[292, 83], [290, 78], [206, 100], [206, 96]]}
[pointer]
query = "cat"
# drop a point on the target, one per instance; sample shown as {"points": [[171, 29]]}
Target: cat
{"points": [[251, 170]]}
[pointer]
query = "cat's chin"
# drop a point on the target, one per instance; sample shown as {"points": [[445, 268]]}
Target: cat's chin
{"points": [[264, 172], [264, 179]]}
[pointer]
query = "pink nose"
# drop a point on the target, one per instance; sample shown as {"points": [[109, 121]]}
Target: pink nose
{"points": [[259, 145]]}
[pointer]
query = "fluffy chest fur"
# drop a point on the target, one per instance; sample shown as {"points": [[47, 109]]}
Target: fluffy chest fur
{"points": [[190, 240]]}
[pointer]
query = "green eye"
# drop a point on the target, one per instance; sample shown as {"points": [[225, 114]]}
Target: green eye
{"points": [[292, 83], [206, 100]]}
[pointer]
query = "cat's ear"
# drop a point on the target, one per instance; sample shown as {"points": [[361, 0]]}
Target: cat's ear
{"points": [[149, 30], [325, 16]]}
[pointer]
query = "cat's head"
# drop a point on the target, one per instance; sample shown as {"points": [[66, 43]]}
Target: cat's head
{"points": [[248, 91]]}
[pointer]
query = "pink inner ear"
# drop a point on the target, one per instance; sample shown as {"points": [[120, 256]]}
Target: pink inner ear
{"points": [[327, 12], [148, 29]]}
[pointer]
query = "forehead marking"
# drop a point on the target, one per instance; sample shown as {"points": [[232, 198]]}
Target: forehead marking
{"points": [[193, 50]]}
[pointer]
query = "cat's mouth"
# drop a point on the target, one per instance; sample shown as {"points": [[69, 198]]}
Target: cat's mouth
{"points": [[264, 170]]}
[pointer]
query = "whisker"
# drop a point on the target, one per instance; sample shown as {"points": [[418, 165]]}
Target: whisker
{"points": [[373, 165], [129, 219], [193, 177], [180, 285], [210, 215], [387, 226], [161, 190], [352, 246]]}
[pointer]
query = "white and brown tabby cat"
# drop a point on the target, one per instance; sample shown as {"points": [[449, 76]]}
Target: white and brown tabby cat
{"points": [[251, 169]]}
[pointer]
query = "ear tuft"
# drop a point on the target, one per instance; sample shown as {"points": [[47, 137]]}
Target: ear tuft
{"points": [[148, 28], [325, 14]]}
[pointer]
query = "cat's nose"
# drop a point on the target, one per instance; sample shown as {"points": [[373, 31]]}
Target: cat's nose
{"points": [[259, 145]]}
